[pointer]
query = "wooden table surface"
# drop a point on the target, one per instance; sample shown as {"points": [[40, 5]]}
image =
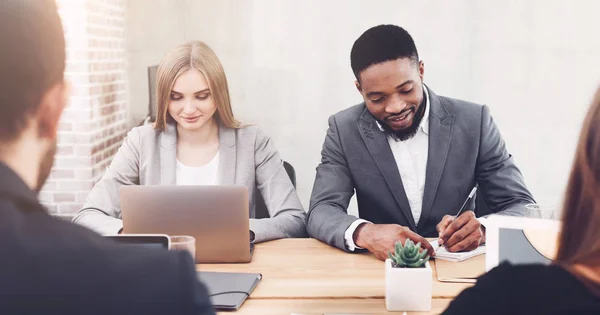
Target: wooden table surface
{"points": [[306, 276], [325, 306]]}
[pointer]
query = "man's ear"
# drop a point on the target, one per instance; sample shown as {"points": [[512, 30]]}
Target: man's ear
{"points": [[421, 70], [51, 108], [358, 87]]}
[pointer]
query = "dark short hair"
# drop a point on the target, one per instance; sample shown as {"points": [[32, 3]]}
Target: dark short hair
{"points": [[380, 44], [32, 59]]}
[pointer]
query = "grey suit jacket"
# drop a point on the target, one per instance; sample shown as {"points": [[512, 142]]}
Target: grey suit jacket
{"points": [[465, 149], [246, 157]]}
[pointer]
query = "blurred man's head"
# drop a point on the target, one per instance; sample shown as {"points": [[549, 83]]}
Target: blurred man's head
{"points": [[389, 75], [33, 93]]}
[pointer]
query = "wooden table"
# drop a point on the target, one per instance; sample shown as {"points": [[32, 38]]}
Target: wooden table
{"points": [[306, 276]]}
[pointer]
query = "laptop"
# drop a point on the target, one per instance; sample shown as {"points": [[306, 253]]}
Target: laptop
{"points": [[217, 216]]}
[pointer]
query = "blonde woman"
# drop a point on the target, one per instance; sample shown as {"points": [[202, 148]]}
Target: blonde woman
{"points": [[196, 140]]}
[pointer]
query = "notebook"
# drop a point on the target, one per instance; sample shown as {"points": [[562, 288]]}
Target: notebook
{"points": [[228, 290], [442, 253], [466, 271]]}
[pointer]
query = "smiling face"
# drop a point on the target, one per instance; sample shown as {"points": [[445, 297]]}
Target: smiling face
{"points": [[191, 104], [393, 93]]}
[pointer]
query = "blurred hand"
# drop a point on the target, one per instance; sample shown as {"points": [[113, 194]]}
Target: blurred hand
{"points": [[380, 239], [464, 233]]}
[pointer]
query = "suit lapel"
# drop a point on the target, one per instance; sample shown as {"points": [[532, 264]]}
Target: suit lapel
{"points": [[440, 135], [168, 155], [227, 155], [379, 148]]}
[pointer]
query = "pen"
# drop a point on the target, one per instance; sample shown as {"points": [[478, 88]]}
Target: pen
{"points": [[471, 195]]}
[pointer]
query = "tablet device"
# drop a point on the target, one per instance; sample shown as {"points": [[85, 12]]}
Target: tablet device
{"points": [[153, 241], [520, 240]]}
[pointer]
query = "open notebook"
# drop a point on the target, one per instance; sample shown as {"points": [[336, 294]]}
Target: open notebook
{"points": [[442, 253]]}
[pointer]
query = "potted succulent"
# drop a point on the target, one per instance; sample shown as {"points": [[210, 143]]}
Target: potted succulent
{"points": [[408, 278]]}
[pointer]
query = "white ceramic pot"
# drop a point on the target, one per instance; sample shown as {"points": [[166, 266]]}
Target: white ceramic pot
{"points": [[407, 289]]}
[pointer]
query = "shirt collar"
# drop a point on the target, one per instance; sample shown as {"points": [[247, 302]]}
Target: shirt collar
{"points": [[424, 124]]}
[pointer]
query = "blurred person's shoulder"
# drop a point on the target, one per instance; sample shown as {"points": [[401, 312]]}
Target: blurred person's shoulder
{"points": [[532, 280], [523, 289], [507, 271], [50, 256]]}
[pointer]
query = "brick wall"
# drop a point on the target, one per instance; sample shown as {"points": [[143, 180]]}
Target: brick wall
{"points": [[95, 122]]}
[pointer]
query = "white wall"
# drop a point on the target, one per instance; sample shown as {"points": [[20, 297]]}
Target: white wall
{"points": [[536, 63]]}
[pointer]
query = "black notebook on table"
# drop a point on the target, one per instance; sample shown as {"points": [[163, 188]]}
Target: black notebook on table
{"points": [[228, 290]]}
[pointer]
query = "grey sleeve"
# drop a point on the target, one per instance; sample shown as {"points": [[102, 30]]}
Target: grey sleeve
{"points": [[102, 209], [328, 218], [500, 181], [287, 216]]}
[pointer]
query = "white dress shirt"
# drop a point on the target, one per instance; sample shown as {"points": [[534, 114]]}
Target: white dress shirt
{"points": [[203, 175], [411, 159]]}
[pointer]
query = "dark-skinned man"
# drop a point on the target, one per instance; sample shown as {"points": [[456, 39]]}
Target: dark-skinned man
{"points": [[411, 156]]}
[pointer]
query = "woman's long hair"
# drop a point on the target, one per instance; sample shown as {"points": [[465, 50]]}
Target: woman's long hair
{"points": [[579, 241]]}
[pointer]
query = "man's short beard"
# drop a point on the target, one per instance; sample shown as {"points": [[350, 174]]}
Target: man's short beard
{"points": [[403, 135]]}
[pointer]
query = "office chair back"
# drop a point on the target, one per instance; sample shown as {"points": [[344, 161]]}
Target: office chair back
{"points": [[261, 208]]}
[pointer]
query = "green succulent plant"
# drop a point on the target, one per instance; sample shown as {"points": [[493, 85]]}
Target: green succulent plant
{"points": [[409, 255]]}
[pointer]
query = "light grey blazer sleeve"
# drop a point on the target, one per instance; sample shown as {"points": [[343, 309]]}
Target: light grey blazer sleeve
{"points": [[101, 211], [287, 216]]}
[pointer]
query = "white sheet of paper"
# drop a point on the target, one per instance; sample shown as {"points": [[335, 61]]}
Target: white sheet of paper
{"points": [[442, 253]]}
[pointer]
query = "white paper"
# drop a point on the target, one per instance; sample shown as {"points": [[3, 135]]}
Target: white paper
{"points": [[442, 253]]}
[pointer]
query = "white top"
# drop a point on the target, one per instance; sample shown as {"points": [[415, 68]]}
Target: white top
{"points": [[411, 159], [203, 175]]}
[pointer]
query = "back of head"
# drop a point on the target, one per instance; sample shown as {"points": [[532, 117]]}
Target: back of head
{"points": [[579, 241], [32, 60], [380, 44], [192, 55]]}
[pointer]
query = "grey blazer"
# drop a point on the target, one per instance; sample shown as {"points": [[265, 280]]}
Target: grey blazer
{"points": [[465, 149], [246, 157]]}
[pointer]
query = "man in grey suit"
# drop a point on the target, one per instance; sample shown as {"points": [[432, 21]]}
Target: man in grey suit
{"points": [[411, 156]]}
